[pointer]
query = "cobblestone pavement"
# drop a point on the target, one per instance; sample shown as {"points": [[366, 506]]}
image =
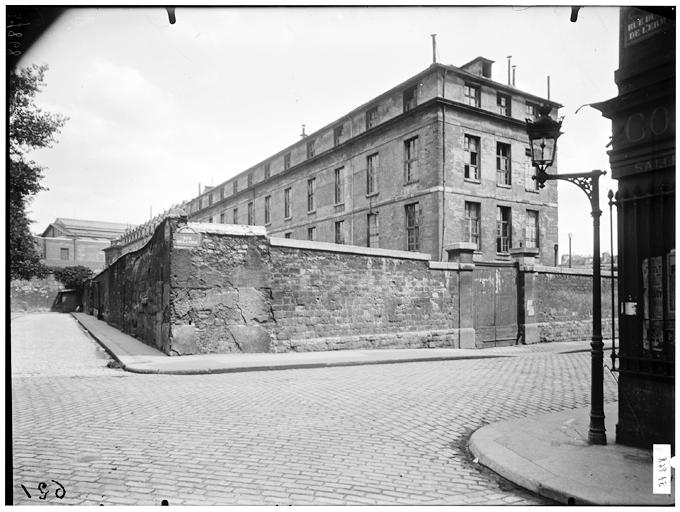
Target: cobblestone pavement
{"points": [[384, 434]]}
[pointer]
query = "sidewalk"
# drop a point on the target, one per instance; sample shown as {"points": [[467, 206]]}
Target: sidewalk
{"points": [[135, 356], [549, 455]]}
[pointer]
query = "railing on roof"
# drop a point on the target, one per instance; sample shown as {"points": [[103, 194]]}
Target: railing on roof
{"points": [[135, 237]]}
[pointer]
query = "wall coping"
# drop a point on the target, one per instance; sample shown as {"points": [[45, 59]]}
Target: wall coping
{"points": [[347, 249], [227, 229], [443, 265], [572, 271]]}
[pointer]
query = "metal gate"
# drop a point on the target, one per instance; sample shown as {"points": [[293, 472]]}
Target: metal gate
{"points": [[495, 306]]}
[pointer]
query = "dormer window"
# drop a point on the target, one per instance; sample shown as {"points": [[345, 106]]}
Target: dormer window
{"points": [[371, 118], [504, 104], [472, 95], [410, 98]]}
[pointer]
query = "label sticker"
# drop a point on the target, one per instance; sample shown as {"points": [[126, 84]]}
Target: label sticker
{"points": [[661, 471]]}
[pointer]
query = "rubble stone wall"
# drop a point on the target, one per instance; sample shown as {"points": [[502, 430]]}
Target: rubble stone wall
{"points": [[233, 289], [564, 303], [34, 295]]}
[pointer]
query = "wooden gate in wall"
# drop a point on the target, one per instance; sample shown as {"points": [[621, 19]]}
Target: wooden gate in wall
{"points": [[495, 304]]}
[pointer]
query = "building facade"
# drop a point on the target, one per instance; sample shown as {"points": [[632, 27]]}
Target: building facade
{"points": [[69, 242], [439, 159], [642, 160]]}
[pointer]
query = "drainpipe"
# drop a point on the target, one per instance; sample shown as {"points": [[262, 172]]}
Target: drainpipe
{"points": [[443, 213]]}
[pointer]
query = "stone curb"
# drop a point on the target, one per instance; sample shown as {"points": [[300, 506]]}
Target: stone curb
{"points": [[301, 366], [293, 366], [132, 368], [517, 477]]}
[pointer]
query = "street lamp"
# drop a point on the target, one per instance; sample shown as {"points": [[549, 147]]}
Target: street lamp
{"points": [[543, 134]]}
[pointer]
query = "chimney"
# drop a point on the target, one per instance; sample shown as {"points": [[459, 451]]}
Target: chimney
{"points": [[509, 57], [548, 80], [513, 75], [303, 134], [434, 48]]}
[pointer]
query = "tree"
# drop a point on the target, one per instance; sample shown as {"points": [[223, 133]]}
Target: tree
{"points": [[29, 128], [73, 277]]}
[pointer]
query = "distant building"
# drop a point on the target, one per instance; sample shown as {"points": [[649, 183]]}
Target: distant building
{"points": [[68, 242], [441, 158]]}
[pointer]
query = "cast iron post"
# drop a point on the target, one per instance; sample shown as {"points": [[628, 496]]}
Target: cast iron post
{"points": [[589, 182], [596, 432]]}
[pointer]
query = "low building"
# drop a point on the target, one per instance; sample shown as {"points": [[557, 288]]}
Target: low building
{"points": [[439, 159], [69, 242]]}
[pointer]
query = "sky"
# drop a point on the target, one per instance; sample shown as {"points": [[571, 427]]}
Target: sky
{"points": [[156, 109]]}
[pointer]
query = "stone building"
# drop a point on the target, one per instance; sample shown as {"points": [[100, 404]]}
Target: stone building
{"points": [[439, 159], [68, 242]]}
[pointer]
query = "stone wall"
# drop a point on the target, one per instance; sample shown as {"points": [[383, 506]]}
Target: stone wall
{"points": [[564, 303], [324, 299], [219, 288], [133, 294], [34, 295]]}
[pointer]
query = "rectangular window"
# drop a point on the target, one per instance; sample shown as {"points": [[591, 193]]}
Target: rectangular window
{"points": [[411, 160], [503, 171], [504, 104], [63, 253], [371, 173], [532, 184], [200, 203], [473, 223], [288, 235], [503, 229], [340, 232], [371, 118], [267, 171], [267, 209], [223, 218], [310, 148], [235, 186], [286, 161], [250, 180], [531, 229], [234, 216], [471, 147], [311, 233], [286, 203], [311, 183], [410, 98], [210, 220], [412, 225], [532, 110], [472, 95], [337, 135], [251, 214], [339, 185], [210, 199], [372, 227], [221, 193]]}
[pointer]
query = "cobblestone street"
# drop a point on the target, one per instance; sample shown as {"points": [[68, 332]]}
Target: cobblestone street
{"points": [[384, 434]]}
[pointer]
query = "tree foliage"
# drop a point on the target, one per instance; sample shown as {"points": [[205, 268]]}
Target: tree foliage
{"points": [[29, 128], [73, 277]]}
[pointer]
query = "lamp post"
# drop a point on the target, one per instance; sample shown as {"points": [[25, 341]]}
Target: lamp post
{"points": [[543, 134]]}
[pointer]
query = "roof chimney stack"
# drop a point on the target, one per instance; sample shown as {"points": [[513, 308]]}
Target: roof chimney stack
{"points": [[434, 48], [303, 134], [509, 57]]}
